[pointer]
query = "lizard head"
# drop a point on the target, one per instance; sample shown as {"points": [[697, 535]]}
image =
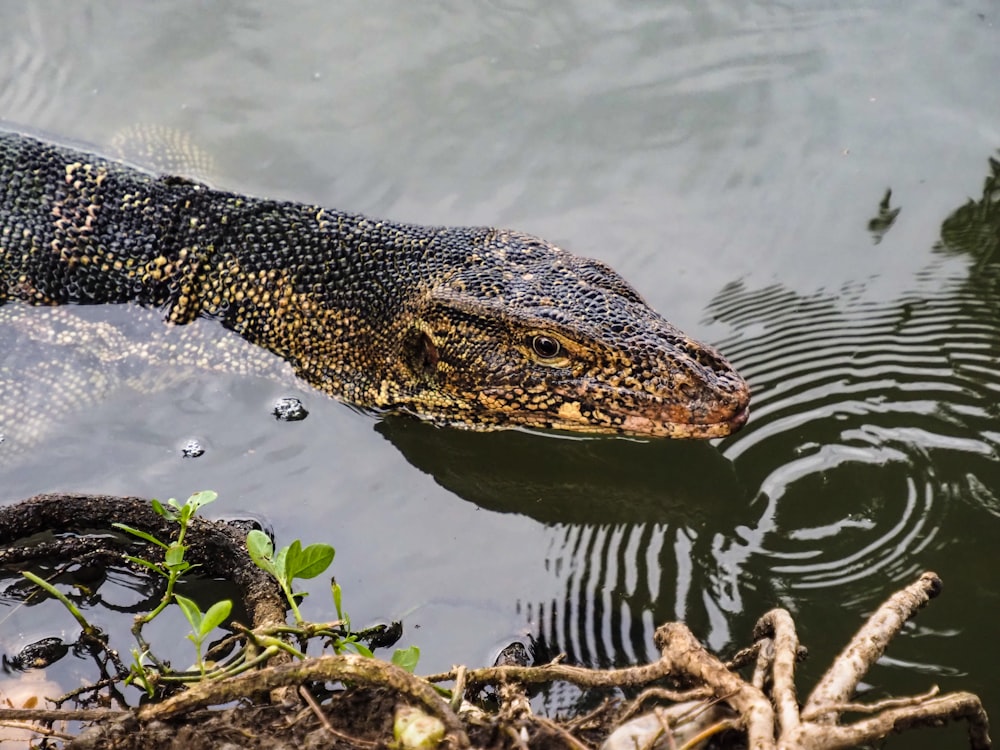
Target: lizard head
{"points": [[523, 333]]}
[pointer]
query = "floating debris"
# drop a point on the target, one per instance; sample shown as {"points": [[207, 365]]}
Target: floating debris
{"points": [[192, 449], [289, 409]]}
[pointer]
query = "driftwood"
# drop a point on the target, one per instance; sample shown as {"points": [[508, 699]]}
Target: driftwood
{"points": [[817, 725], [220, 549], [710, 696]]}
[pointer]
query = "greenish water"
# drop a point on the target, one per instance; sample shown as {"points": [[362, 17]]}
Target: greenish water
{"points": [[730, 160]]}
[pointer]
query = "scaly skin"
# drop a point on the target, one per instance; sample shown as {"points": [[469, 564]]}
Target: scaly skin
{"points": [[469, 326]]}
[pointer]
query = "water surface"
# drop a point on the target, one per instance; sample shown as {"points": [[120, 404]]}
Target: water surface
{"points": [[733, 161]]}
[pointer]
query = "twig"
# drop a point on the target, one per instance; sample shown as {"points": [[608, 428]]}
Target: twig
{"points": [[36, 728], [709, 732], [680, 651], [458, 693], [515, 735], [762, 669], [318, 712], [931, 713], [743, 657], [555, 672], [867, 646], [871, 708], [593, 717], [106, 682], [348, 667], [315, 707], [786, 644], [565, 736], [77, 714], [658, 693], [666, 731]]}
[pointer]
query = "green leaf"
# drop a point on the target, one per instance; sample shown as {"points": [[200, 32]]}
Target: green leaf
{"points": [[146, 564], [160, 510], [171, 511], [290, 561], [141, 534], [406, 658], [281, 565], [191, 612], [337, 598], [215, 616], [54, 592], [361, 648], [259, 544], [198, 499], [311, 561], [138, 673], [261, 550], [174, 556]]}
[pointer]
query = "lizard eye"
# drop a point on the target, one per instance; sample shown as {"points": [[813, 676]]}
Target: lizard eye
{"points": [[545, 347]]}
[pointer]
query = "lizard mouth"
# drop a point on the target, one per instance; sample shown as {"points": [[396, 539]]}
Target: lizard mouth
{"points": [[652, 418], [644, 415], [654, 426]]}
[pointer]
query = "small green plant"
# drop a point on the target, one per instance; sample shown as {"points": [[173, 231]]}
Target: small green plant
{"points": [[402, 657], [296, 561], [203, 624], [172, 568], [174, 565], [260, 644], [289, 563], [351, 639], [139, 673]]}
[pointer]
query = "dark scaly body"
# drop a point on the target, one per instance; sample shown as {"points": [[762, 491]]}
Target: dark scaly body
{"points": [[470, 326]]}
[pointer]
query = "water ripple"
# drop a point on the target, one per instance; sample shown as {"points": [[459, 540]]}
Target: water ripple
{"points": [[873, 422], [869, 417], [39, 55]]}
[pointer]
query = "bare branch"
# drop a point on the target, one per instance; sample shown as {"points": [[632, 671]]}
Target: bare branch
{"points": [[869, 643], [786, 645], [683, 653]]}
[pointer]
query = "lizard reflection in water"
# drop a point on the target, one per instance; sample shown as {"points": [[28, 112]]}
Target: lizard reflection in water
{"points": [[468, 326]]}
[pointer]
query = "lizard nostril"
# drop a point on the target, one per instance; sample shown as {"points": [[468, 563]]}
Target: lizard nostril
{"points": [[689, 391]]}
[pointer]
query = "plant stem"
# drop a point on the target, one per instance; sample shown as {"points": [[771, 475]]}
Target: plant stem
{"points": [[54, 592]]}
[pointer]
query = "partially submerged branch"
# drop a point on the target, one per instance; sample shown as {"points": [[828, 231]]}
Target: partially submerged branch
{"points": [[867, 646], [775, 722], [707, 695], [345, 667], [219, 548]]}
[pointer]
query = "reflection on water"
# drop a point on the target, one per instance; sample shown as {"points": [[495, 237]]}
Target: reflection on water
{"points": [[632, 525], [974, 228], [886, 412], [572, 480], [871, 420], [57, 361]]}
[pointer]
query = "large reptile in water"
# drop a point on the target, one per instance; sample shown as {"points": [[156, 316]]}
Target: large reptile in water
{"points": [[469, 326]]}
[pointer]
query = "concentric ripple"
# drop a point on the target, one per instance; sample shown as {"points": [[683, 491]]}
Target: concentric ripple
{"points": [[873, 422], [869, 418]]}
